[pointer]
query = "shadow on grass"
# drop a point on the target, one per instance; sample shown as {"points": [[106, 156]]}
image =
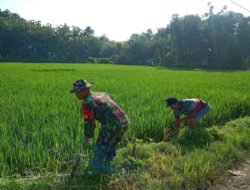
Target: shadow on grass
{"points": [[52, 70], [85, 181], [197, 69]]}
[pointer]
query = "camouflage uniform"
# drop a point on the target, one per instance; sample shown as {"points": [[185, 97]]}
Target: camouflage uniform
{"points": [[99, 106]]}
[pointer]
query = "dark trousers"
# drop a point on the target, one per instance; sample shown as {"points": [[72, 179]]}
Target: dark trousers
{"points": [[105, 149]]}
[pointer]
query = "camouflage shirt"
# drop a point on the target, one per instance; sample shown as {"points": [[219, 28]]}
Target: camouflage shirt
{"points": [[99, 106]]}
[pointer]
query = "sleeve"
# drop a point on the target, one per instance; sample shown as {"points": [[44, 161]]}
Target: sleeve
{"points": [[89, 121], [176, 115]]}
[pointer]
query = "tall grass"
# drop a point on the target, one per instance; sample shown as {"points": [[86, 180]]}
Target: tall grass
{"points": [[166, 166], [41, 122]]}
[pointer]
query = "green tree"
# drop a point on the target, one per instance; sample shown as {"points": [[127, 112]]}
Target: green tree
{"points": [[88, 32]]}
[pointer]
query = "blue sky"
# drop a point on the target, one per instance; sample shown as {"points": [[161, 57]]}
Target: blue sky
{"points": [[117, 19]]}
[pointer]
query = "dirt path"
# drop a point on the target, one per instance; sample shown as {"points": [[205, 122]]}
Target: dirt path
{"points": [[239, 178]]}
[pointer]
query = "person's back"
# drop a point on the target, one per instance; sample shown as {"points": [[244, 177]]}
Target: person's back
{"points": [[188, 105], [104, 109]]}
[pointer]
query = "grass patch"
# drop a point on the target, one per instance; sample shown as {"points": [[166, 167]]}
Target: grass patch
{"points": [[191, 162]]}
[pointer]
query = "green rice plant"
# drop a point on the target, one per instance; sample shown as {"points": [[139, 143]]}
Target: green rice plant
{"points": [[40, 120]]}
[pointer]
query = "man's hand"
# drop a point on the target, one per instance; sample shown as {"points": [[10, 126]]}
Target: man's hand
{"points": [[177, 122], [86, 139]]}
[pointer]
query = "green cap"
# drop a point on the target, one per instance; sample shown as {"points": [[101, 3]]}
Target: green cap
{"points": [[80, 85]]}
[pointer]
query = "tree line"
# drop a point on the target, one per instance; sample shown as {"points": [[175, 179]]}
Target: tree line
{"points": [[219, 41]]}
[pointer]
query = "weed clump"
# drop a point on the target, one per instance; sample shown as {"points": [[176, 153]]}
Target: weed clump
{"points": [[197, 138]]}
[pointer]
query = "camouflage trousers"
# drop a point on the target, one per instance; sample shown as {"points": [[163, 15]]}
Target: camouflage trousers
{"points": [[110, 136], [105, 149]]}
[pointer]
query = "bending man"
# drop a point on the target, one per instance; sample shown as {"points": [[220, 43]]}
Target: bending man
{"points": [[99, 106], [194, 109]]}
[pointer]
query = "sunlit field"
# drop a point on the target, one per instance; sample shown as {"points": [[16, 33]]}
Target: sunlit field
{"points": [[41, 123]]}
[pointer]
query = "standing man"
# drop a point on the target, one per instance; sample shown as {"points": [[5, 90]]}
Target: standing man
{"points": [[99, 106], [194, 109]]}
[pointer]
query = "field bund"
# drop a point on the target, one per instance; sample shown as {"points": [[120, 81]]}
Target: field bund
{"points": [[41, 123]]}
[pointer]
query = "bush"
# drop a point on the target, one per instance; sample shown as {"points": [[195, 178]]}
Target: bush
{"points": [[90, 60], [105, 60], [194, 138]]}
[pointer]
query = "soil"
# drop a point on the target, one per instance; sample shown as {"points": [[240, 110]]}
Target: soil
{"points": [[239, 179]]}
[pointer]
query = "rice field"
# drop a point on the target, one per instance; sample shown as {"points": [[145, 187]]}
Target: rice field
{"points": [[41, 123]]}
